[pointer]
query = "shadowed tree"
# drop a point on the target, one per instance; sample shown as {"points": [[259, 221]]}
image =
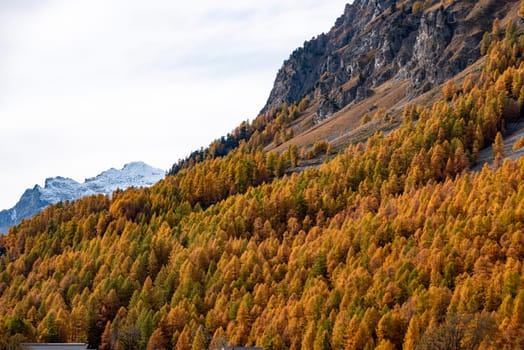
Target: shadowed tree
{"points": [[498, 150]]}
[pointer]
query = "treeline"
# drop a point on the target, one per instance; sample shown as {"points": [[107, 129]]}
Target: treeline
{"points": [[392, 244], [272, 126]]}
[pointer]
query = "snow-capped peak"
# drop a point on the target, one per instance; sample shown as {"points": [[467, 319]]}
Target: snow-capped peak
{"points": [[137, 174], [57, 189]]}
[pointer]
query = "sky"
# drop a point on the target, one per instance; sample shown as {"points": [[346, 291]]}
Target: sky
{"points": [[87, 85]]}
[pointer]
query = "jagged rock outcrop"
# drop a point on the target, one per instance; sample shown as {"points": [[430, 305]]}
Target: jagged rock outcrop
{"points": [[378, 40]]}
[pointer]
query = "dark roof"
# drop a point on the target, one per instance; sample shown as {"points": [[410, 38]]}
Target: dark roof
{"points": [[54, 346]]}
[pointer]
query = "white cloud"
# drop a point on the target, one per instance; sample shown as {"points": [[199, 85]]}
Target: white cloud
{"points": [[89, 84]]}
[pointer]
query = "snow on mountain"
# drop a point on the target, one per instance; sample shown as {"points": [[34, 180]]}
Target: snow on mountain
{"points": [[138, 174], [57, 189]]}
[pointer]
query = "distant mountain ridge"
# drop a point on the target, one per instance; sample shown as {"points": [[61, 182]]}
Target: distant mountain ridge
{"points": [[57, 189]]}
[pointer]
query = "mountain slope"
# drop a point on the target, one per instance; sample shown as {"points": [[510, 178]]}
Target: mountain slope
{"points": [[391, 244], [374, 41], [59, 189], [379, 56]]}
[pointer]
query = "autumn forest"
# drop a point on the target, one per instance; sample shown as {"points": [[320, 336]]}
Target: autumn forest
{"points": [[392, 243]]}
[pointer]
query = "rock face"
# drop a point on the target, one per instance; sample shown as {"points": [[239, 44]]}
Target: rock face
{"points": [[378, 40], [59, 189]]}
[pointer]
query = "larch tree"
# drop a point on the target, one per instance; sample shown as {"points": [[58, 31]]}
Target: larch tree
{"points": [[184, 340], [158, 341], [495, 30], [413, 334], [498, 150], [199, 341], [106, 341]]}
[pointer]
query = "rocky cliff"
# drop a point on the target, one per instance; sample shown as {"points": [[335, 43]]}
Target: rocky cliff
{"points": [[374, 41]]}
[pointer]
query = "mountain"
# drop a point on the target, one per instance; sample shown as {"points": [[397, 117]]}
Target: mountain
{"points": [[418, 45], [379, 56], [403, 238], [59, 189]]}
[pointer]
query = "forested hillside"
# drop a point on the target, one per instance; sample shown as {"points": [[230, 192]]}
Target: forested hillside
{"points": [[391, 244]]}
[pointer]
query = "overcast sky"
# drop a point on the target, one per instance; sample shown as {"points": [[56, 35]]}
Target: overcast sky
{"points": [[86, 85]]}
